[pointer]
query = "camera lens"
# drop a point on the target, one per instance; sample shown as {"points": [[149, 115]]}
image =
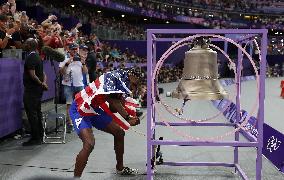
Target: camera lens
{"points": [[76, 58]]}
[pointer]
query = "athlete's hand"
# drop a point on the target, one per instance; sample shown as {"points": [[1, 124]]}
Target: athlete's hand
{"points": [[134, 121]]}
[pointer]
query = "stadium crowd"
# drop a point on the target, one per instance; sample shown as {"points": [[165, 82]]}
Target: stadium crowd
{"points": [[113, 28], [218, 13], [99, 24], [224, 5], [51, 33]]}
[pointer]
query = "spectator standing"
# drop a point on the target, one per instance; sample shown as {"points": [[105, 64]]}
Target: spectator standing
{"points": [[72, 69], [34, 83], [5, 33], [16, 40], [91, 61], [83, 53]]}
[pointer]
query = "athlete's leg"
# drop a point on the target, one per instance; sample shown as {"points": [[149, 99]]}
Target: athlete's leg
{"points": [[88, 140], [118, 134]]}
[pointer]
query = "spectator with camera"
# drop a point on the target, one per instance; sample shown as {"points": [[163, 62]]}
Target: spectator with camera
{"points": [[5, 32], [72, 69], [16, 40]]}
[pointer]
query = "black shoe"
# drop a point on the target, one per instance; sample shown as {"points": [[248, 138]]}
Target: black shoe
{"points": [[69, 129], [32, 142]]}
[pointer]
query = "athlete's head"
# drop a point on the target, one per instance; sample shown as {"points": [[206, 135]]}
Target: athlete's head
{"points": [[122, 81]]}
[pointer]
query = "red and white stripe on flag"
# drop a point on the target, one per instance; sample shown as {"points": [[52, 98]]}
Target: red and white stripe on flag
{"points": [[84, 97], [94, 90], [130, 106]]}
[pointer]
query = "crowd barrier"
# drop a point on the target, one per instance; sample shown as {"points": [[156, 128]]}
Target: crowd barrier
{"points": [[11, 90], [11, 95]]}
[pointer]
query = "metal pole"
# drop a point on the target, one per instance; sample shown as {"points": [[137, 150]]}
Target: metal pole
{"points": [[154, 50], [207, 31], [238, 117], [261, 104], [55, 95], [149, 103]]}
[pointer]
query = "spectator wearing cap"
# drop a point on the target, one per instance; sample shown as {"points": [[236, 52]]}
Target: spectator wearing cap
{"points": [[91, 60], [5, 32], [72, 69]]}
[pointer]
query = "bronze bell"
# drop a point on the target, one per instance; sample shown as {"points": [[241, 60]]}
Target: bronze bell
{"points": [[200, 75]]}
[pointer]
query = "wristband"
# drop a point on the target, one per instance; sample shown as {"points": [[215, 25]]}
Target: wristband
{"points": [[83, 64]]}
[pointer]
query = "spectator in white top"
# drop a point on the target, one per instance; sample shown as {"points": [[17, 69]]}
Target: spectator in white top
{"points": [[72, 70]]}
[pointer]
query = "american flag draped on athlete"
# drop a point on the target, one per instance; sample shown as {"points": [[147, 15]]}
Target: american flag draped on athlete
{"points": [[107, 105]]}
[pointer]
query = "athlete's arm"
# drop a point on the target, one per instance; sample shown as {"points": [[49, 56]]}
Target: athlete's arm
{"points": [[117, 106]]}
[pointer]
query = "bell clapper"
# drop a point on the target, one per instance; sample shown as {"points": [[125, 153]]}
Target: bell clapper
{"points": [[180, 111]]}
